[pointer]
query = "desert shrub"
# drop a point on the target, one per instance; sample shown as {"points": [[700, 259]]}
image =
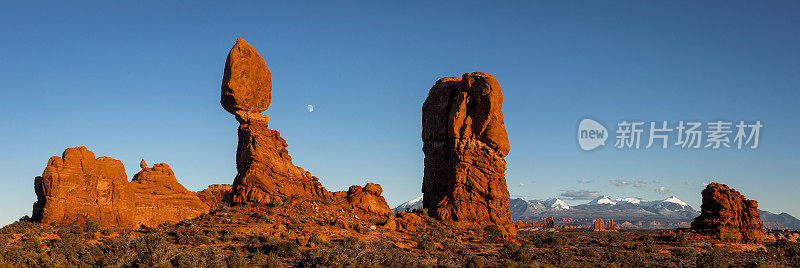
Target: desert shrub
{"points": [[152, 250], [714, 257], [213, 257], [285, 249], [189, 236], [71, 250], [517, 253], [318, 240], [427, 241], [188, 258], [345, 254], [474, 262], [91, 227], [492, 234], [637, 258], [785, 248], [612, 238], [612, 255], [236, 260], [560, 256], [589, 252], [551, 240]]}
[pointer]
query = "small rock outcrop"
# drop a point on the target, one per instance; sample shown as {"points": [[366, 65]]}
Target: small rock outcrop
{"points": [[728, 216], [216, 195], [78, 187], [549, 223], [599, 225], [465, 143], [265, 169]]}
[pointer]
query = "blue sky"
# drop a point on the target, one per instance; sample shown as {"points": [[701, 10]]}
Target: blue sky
{"points": [[134, 80]]}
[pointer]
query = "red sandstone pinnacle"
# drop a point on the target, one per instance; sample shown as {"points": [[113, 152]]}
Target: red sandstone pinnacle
{"points": [[77, 187], [465, 142], [247, 82], [728, 216], [599, 225], [549, 223]]}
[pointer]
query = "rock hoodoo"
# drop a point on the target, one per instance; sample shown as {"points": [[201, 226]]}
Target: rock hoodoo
{"points": [[728, 216], [599, 225], [265, 169], [78, 187], [465, 142]]}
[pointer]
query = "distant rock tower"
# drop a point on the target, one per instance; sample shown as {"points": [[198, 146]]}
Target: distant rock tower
{"points": [[465, 143], [728, 216]]}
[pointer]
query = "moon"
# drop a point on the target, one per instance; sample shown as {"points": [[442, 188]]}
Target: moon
{"points": [[310, 108]]}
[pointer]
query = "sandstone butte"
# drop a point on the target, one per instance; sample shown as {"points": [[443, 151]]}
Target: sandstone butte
{"points": [[265, 169], [728, 216], [78, 187], [465, 143]]}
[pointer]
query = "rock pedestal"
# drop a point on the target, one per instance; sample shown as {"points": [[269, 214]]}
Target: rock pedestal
{"points": [[728, 216], [465, 142]]}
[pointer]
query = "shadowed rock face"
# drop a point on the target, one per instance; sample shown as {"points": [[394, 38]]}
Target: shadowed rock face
{"points": [[465, 142], [728, 216], [265, 168], [77, 187]]}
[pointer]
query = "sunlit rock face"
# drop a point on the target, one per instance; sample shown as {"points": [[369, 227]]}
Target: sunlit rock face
{"points": [[728, 216], [78, 187], [465, 143]]}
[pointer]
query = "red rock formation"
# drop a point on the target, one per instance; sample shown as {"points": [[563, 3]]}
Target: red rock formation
{"points": [[158, 197], [599, 225], [367, 198], [527, 225], [611, 226], [247, 82], [549, 223], [216, 195], [728, 216], [266, 171], [77, 187], [265, 168], [465, 142]]}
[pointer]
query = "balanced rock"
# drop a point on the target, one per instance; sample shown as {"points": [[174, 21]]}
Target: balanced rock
{"points": [[728, 216], [465, 142], [265, 169], [78, 187], [247, 82]]}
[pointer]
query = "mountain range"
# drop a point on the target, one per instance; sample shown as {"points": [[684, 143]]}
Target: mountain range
{"points": [[631, 212]]}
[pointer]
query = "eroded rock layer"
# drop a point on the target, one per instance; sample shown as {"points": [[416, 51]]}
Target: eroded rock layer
{"points": [[78, 187], [728, 216], [465, 142]]}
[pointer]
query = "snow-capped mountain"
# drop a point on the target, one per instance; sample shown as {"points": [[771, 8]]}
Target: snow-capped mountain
{"points": [[555, 203], [637, 212], [409, 205], [602, 200]]}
